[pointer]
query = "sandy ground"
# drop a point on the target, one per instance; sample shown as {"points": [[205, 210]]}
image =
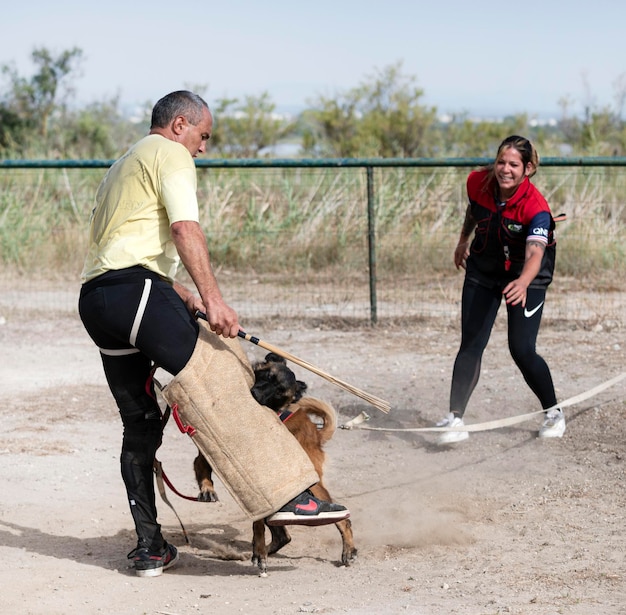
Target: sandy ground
{"points": [[502, 523]]}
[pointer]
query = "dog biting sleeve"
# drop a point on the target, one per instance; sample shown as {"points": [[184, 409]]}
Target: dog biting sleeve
{"points": [[260, 463]]}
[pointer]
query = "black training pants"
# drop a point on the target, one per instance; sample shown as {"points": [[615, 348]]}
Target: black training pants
{"points": [[136, 319], [479, 308]]}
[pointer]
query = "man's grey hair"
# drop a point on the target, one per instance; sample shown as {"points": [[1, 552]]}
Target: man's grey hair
{"points": [[172, 105]]}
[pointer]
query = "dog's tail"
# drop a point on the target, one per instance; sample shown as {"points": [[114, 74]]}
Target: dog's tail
{"points": [[321, 410]]}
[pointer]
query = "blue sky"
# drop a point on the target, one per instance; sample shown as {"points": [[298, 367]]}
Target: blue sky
{"points": [[481, 57]]}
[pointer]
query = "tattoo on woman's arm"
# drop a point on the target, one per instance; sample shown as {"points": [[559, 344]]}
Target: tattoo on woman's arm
{"points": [[538, 244], [469, 224]]}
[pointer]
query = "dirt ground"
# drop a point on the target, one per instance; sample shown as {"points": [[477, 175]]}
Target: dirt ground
{"points": [[501, 523]]}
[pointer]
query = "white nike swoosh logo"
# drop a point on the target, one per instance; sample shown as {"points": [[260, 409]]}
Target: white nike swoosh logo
{"points": [[528, 314]]}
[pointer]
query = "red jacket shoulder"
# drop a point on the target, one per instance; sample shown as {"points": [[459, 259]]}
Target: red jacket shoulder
{"points": [[530, 199], [478, 188]]}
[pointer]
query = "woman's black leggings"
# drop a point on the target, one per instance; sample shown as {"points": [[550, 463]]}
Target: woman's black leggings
{"points": [[137, 320], [478, 313]]}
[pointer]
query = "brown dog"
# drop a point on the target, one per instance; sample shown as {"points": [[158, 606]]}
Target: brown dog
{"points": [[277, 388]]}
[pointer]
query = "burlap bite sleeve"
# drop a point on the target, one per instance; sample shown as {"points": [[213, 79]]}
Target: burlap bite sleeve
{"points": [[260, 463]]}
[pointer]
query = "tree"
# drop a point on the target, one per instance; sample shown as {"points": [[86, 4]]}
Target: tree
{"points": [[394, 121], [619, 87], [14, 130], [97, 130], [600, 130], [464, 137], [381, 117], [332, 129], [35, 99], [243, 129]]}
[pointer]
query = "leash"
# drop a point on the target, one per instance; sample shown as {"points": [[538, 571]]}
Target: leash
{"points": [[160, 479], [157, 467], [161, 476], [357, 421]]}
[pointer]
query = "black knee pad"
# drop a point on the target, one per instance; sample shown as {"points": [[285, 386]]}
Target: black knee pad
{"points": [[142, 438]]}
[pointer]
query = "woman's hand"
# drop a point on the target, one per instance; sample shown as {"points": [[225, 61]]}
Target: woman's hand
{"points": [[461, 252], [515, 292]]}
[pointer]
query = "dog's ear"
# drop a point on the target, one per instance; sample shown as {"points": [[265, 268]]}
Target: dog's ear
{"points": [[272, 357], [301, 388]]}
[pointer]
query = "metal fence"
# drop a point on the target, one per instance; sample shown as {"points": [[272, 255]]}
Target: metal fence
{"points": [[367, 240]]}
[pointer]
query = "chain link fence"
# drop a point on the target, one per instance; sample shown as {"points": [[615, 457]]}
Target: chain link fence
{"points": [[328, 242]]}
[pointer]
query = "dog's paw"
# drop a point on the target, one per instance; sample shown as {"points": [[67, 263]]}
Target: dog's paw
{"points": [[348, 557], [208, 496], [261, 563]]}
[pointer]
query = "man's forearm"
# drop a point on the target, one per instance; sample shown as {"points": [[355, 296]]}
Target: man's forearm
{"points": [[194, 254]]}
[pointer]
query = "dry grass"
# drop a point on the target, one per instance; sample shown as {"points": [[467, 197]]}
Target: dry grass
{"points": [[303, 233]]}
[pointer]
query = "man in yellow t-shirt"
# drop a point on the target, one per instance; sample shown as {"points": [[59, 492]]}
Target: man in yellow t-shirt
{"points": [[152, 186], [144, 223]]}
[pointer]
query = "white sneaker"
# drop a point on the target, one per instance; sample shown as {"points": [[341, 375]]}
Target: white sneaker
{"points": [[553, 425], [450, 437]]}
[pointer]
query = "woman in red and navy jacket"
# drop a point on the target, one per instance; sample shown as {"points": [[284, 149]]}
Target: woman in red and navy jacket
{"points": [[511, 255]]}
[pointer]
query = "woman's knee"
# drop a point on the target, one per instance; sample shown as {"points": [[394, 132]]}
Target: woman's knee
{"points": [[523, 352]]}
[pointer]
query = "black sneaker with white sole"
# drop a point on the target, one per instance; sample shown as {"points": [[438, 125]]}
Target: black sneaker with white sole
{"points": [[152, 563], [306, 509]]}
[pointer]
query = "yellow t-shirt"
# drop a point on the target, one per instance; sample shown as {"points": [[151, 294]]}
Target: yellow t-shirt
{"points": [[149, 188]]}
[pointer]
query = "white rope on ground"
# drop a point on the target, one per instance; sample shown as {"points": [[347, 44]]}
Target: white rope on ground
{"points": [[357, 421]]}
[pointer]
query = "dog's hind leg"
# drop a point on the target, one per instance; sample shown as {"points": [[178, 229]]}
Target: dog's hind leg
{"points": [[348, 550], [204, 474], [280, 538], [260, 550]]}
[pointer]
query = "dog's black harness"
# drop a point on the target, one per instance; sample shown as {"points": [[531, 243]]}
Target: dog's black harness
{"points": [[284, 415]]}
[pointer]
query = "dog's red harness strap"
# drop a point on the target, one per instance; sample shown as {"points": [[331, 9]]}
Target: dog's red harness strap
{"points": [[190, 430]]}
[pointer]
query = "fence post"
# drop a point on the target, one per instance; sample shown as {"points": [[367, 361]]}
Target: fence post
{"points": [[371, 241]]}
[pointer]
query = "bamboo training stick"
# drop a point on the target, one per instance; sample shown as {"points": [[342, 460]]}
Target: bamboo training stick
{"points": [[377, 402]]}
